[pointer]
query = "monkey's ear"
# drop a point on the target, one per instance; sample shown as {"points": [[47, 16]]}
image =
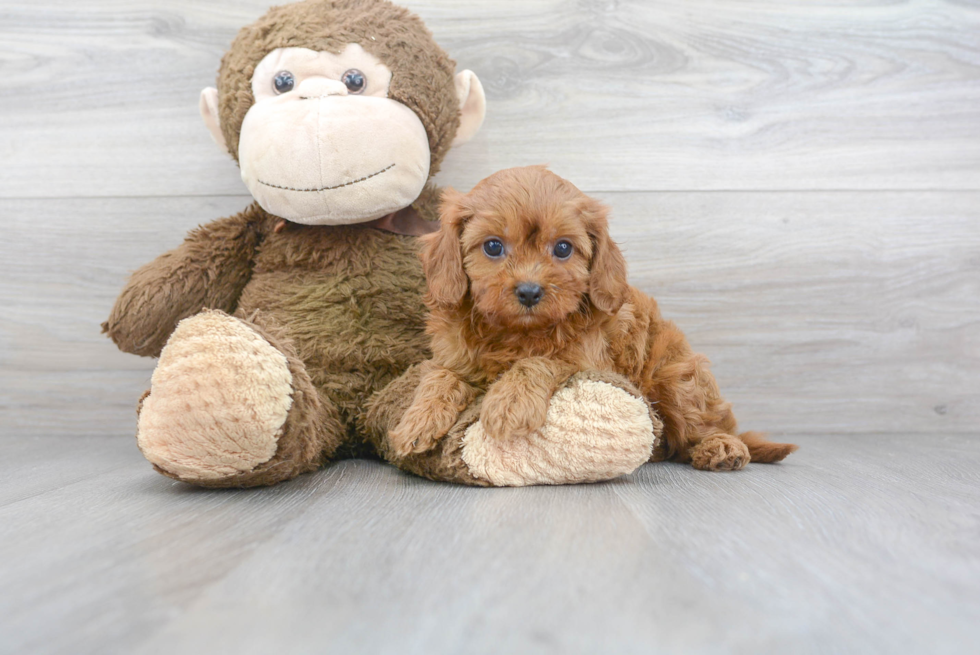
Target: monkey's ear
{"points": [[442, 254], [209, 112], [608, 286], [472, 106]]}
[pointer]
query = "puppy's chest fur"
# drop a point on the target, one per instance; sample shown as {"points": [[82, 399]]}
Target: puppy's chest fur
{"points": [[481, 353]]}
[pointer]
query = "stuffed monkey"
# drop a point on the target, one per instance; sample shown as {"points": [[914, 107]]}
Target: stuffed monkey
{"points": [[288, 334]]}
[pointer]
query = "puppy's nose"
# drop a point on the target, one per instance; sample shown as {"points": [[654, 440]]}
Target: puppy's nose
{"points": [[529, 294]]}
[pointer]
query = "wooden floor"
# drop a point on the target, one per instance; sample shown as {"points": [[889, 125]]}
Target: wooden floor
{"points": [[863, 545], [797, 183]]}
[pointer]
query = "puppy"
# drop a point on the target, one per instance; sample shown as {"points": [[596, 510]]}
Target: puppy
{"points": [[526, 289]]}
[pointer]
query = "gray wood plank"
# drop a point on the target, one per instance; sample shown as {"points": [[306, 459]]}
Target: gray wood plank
{"points": [[855, 544], [843, 312], [31, 466], [137, 546], [99, 97]]}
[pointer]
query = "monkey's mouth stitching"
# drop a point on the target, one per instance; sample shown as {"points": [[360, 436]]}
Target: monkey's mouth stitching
{"points": [[330, 188]]}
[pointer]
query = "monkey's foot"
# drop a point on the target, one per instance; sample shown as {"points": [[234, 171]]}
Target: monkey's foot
{"points": [[218, 401], [598, 427]]}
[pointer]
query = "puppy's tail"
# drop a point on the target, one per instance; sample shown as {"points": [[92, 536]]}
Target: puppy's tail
{"points": [[765, 451]]}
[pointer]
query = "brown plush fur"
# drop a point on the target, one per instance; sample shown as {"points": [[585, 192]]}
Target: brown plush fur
{"points": [[589, 318], [208, 270]]}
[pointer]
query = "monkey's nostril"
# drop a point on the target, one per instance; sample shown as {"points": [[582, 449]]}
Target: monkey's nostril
{"points": [[529, 294]]}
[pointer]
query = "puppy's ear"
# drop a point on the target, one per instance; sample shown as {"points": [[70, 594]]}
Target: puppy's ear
{"points": [[608, 286], [442, 255]]}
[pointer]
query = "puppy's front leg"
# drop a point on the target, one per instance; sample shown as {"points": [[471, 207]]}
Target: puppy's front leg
{"points": [[439, 399], [517, 403]]}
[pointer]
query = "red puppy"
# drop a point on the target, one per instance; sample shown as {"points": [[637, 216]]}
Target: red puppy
{"points": [[525, 289]]}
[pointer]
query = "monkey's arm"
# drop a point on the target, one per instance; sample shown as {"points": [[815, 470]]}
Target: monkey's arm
{"points": [[207, 271]]}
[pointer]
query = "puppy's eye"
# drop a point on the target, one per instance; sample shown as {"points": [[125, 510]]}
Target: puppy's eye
{"points": [[283, 82], [354, 80], [563, 250], [493, 248]]}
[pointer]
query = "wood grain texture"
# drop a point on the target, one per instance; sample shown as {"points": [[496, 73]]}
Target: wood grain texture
{"points": [[863, 545], [99, 97], [839, 312]]}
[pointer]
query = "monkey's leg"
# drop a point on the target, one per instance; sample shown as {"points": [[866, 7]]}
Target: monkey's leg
{"points": [[231, 406], [598, 427]]}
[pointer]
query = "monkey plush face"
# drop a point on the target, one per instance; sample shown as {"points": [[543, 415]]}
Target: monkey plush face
{"points": [[331, 123], [324, 144]]}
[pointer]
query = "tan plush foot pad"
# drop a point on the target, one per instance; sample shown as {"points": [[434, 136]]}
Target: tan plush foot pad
{"points": [[219, 397], [595, 431]]}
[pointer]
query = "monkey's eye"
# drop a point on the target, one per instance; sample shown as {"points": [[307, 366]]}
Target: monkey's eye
{"points": [[493, 248], [354, 80], [563, 250], [283, 82]]}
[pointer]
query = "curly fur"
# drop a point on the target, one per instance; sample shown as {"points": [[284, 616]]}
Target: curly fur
{"points": [[589, 318]]}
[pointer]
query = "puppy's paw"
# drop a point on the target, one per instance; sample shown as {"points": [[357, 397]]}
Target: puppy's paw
{"points": [[721, 452], [410, 437], [493, 419], [401, 439], [421, 428], [510, 415]]}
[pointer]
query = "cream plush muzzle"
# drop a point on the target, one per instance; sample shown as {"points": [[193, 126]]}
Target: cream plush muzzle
{"points": [[310, 160]]}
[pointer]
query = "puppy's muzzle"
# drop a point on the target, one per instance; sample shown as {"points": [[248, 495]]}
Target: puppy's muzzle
{"points": [[528, 293]]}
